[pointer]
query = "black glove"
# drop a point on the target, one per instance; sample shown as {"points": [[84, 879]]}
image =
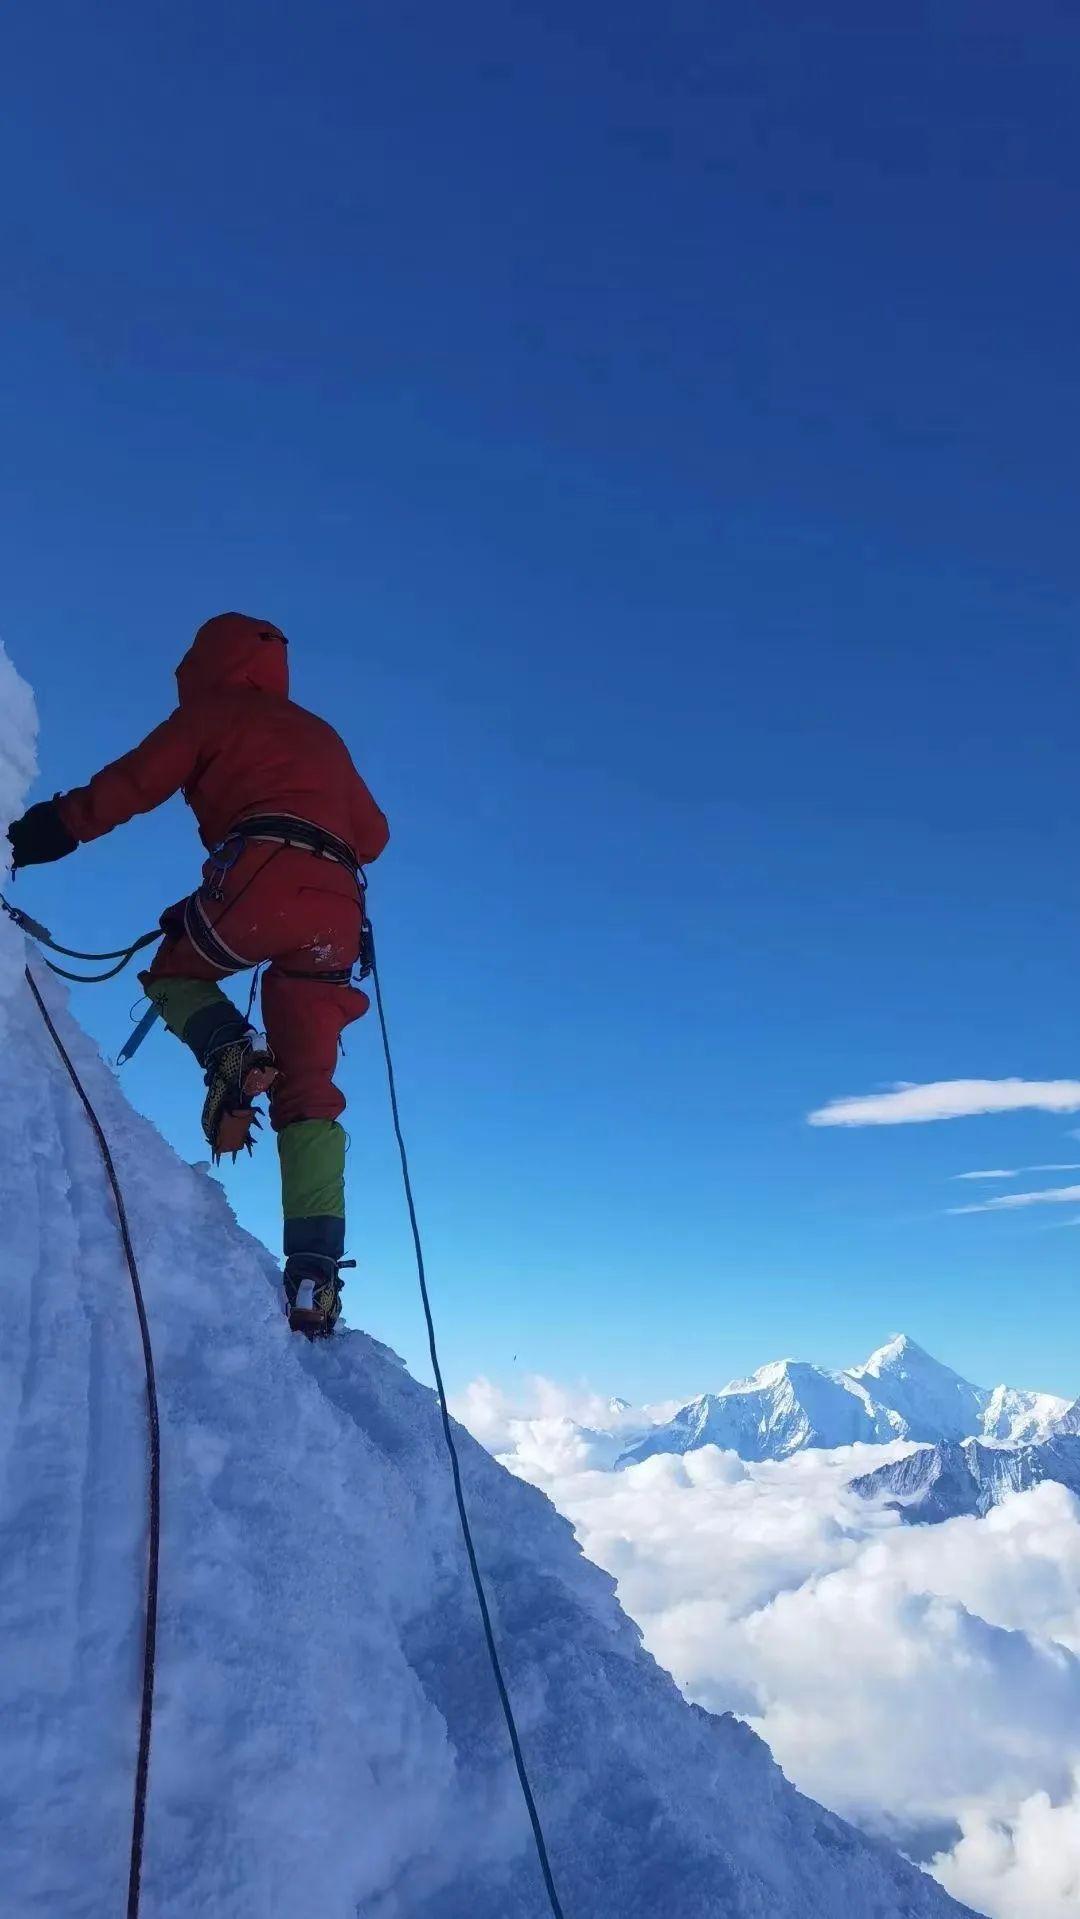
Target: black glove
{"points": [[40, 836]]}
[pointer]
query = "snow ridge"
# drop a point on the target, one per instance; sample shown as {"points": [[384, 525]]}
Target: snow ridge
{"points": [[969, 1477]]}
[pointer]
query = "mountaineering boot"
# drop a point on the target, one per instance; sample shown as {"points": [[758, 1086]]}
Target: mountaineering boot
{"points": [[236, 1061], [313, 1294], [236, 1073]]}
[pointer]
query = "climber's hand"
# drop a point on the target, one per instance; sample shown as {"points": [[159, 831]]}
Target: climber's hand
{"points": [[40, 836]]}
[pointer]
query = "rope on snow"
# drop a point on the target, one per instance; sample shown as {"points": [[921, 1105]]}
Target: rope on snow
{"points": [[455, 1466], [142, 1766]]}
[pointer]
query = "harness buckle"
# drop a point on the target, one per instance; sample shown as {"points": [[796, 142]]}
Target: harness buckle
{"points": [[213, 888]]}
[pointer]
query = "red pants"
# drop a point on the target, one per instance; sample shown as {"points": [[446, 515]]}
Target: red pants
{"points": [[303, 914]]}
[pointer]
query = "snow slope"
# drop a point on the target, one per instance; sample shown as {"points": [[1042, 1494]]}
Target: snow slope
{"points": [[901, 1392], [326, 1738]]}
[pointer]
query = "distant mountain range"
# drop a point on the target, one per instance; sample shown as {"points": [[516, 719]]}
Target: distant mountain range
{"points": [[900, 1392], [945, 1481]]}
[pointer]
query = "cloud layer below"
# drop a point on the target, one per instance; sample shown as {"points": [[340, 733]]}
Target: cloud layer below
{"points": [[950, 1099], [1029, 1869], [923, 1681]]}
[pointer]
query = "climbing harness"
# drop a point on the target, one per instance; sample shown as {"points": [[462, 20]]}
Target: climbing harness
{"points": [[288, 829], [279, 830], [368, 967], [146, 1715], [455, 1466]]}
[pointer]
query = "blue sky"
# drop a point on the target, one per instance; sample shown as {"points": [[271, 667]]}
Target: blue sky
{"points": [[658, 436]]}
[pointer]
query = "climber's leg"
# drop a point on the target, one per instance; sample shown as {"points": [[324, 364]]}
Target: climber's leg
{"points": [[305, 1018]]}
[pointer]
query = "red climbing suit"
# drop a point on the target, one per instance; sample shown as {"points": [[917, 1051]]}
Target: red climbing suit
{"points": [[238, 747]]}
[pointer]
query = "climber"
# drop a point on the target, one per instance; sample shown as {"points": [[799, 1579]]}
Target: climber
{"points": [[288, 822]]}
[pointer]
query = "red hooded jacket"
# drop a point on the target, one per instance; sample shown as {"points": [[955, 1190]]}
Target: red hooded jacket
{"points": [[236, 745]]}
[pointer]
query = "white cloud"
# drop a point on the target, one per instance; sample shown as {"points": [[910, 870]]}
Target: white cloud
{"points": [[552, 1427], [1025, 1868], [1021, 1172], [917, 1679], [907, 1105], [1007, 1202], [999, 1172], [921, 1682]]}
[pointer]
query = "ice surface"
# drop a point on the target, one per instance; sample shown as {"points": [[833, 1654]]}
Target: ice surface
{"points": [[327, 1740]]}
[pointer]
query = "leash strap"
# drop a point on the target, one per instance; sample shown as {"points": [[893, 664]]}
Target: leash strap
{"points": [[44, 938]]}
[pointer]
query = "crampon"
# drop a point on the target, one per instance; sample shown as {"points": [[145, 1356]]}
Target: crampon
{"points": [[235, 1078]]}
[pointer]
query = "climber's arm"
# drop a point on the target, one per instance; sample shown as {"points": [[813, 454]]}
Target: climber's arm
{"points": [[141, 780]]}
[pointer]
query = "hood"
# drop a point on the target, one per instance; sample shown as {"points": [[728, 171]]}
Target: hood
{"points": [[233, 649]]}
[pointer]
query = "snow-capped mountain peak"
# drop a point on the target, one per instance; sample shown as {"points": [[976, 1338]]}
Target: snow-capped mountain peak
{"points": [[899, 1354], [1067, 1420], [900, 1392], [930, 1400], [774, 1373], [1025, 1418]]}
